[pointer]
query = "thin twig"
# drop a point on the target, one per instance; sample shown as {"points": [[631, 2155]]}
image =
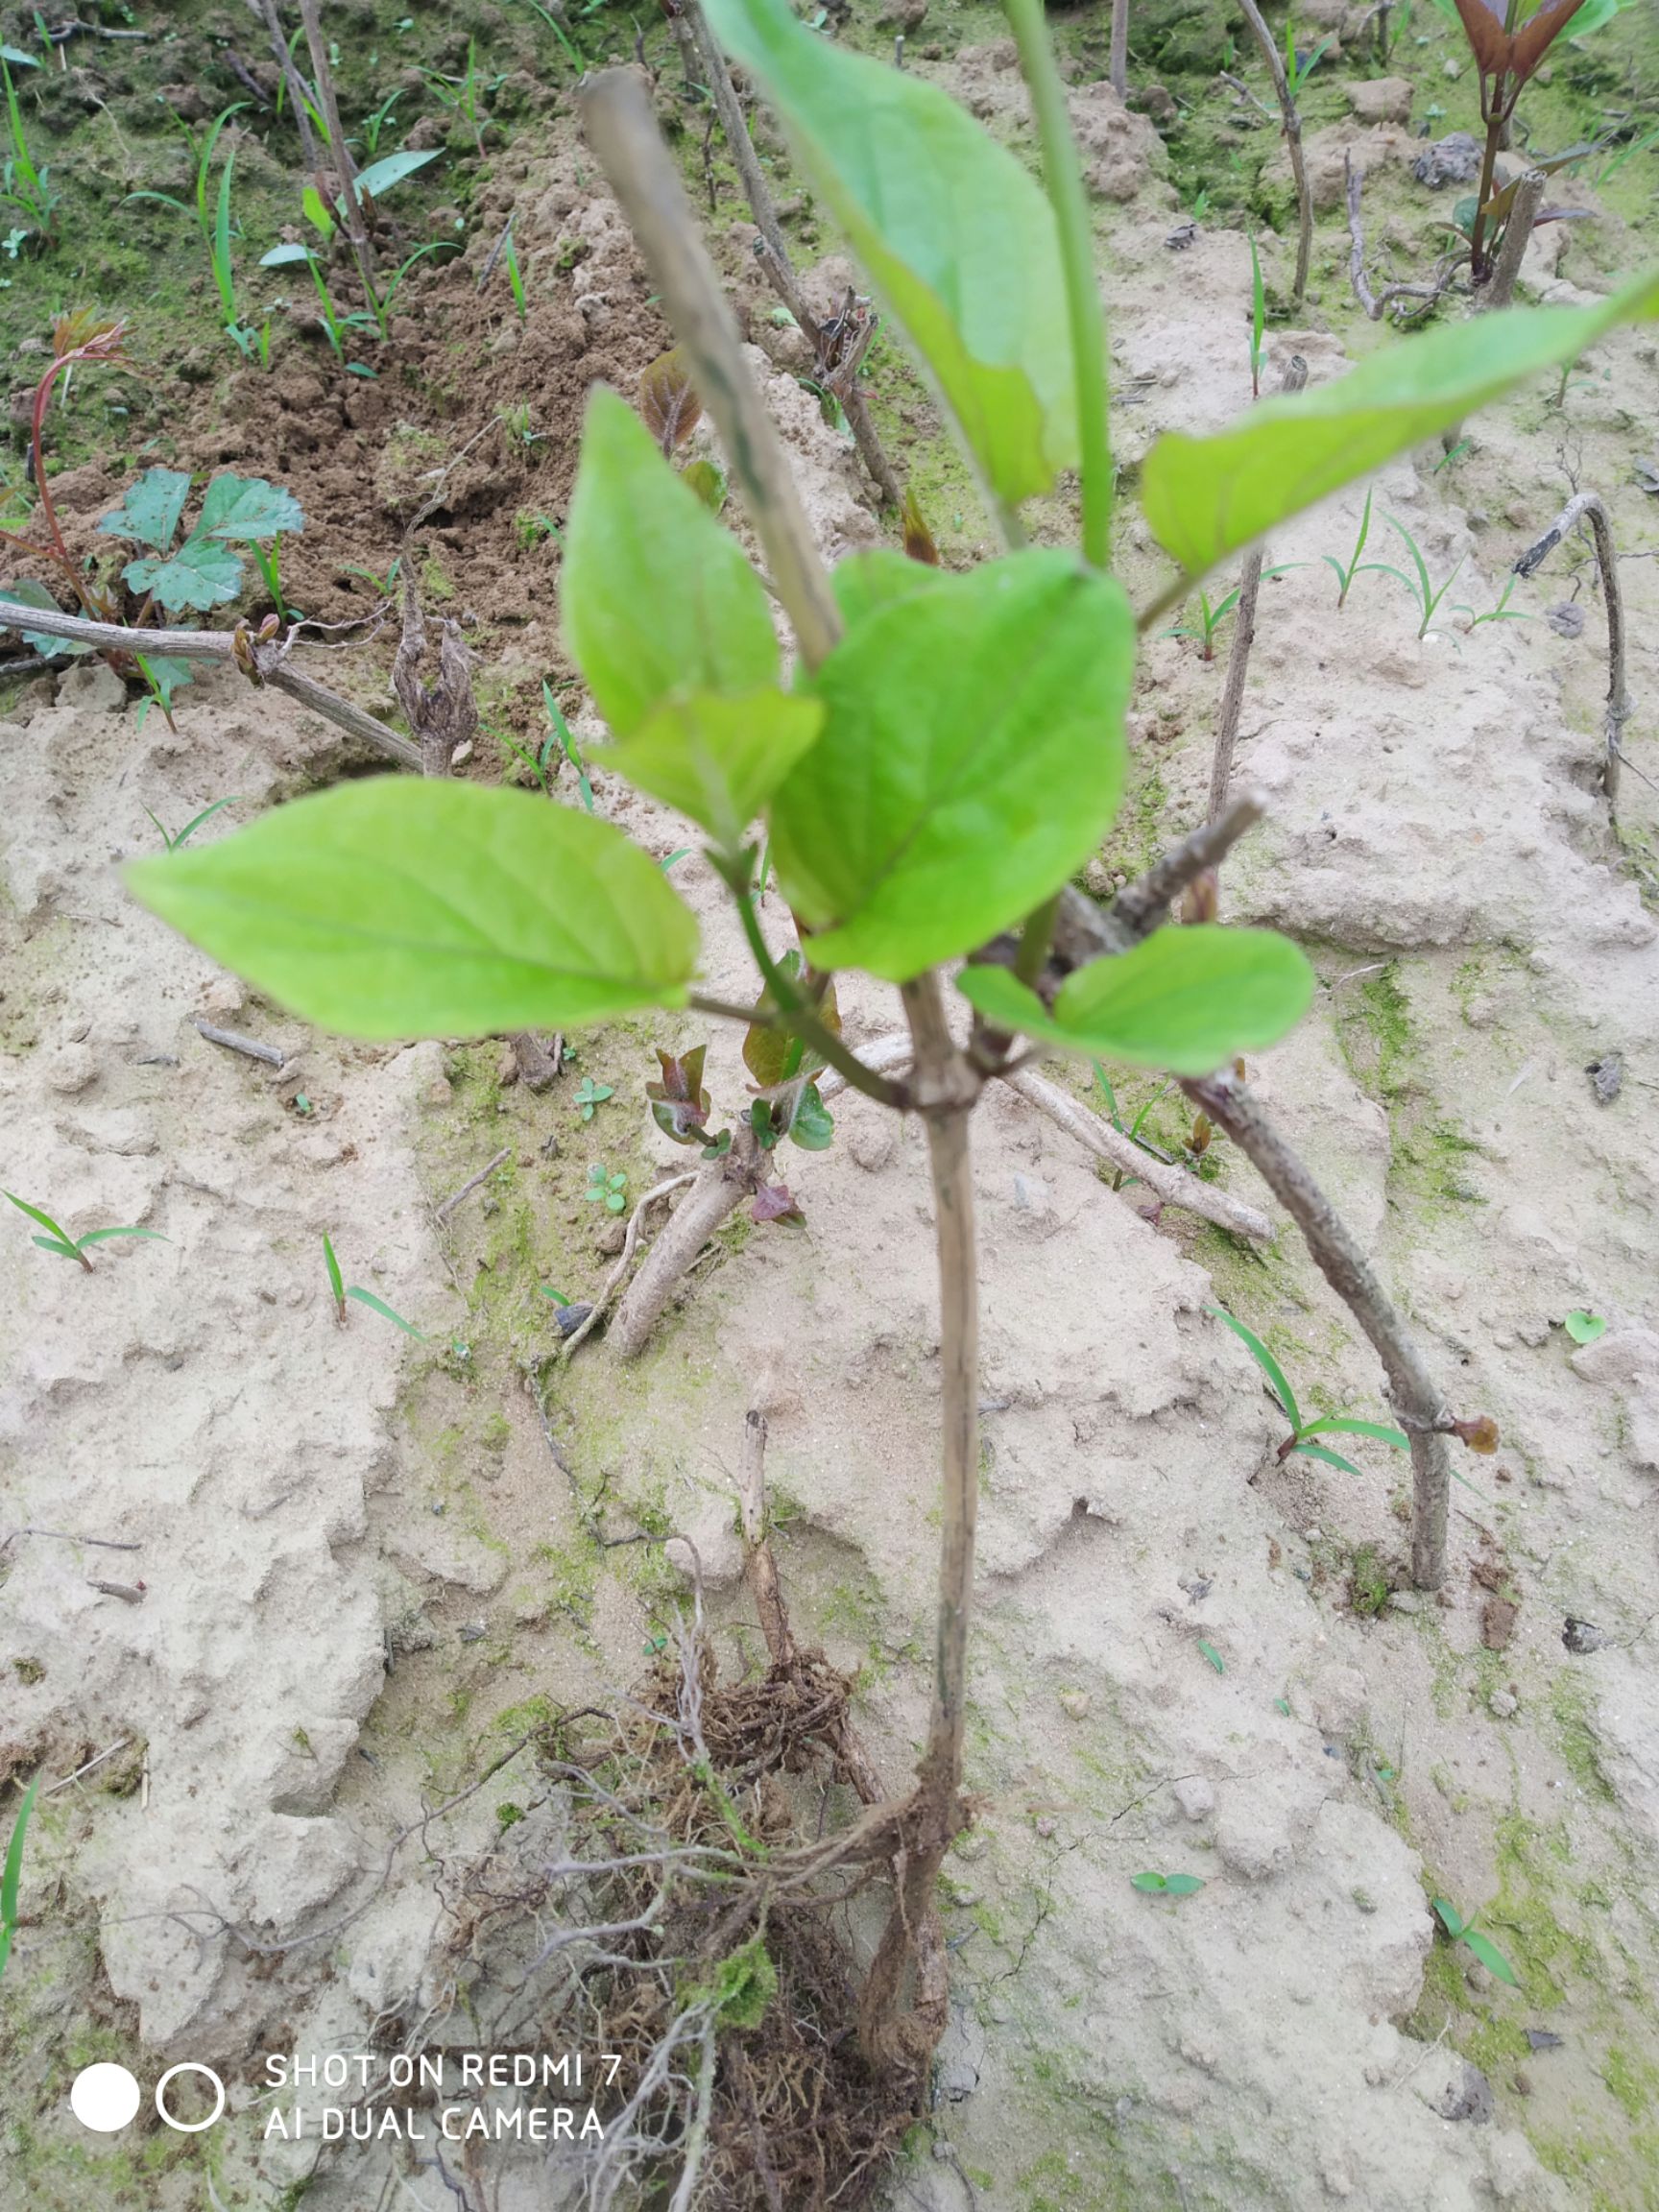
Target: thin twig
{"points": [[1589, 507], [613, 1281], [1518, 227], [1375, 303], [1292, 122], [444, 1212], [88, 1768], [234, 1040], [69, 1536], [1143, 905], [1117, 68], [1295, 376], [345, 168]]}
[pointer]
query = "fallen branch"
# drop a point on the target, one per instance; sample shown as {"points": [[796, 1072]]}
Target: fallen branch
{"points": [[339, 153], [1117, 68], [442, 1213], [1292, 122], [1375, 303], [234, 1040], [1589, 507], [758, 1561], [627, 1321], [262, 660]]}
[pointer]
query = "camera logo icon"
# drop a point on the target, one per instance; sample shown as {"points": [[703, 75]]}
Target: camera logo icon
{"points": [[106, 2098]]}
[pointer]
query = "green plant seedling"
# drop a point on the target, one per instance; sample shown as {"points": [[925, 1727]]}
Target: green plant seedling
{"points": [[610, 1190], [1418, 583], [199, 570], [571, 51], [592, 1096], [1167, 1884], [11, 1875], [1611, 167], [340, 1291], [515, 275], [1502, 612], [464, 94], [375, 125], [1584, 1327], [1302, 1434], [1210, 617], [1212, 1656], [1257, 321], [1465, 1932], [1345, 576], [567, 744], [392, 169], [175, 844], [335, 323], [268, 563], [67, 1247], [213, 221], [22, 184], [1297, 70]]}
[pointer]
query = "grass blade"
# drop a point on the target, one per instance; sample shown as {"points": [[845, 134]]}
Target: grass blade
{"points": [[1265, 1360], [1331, 1458], [103, 1235], [380, 1306], [11, 1880], [1347, 1427], [35, 1215]]}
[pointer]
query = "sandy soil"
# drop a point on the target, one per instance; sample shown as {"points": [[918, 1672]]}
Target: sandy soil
{"points": [[364, 1565]]}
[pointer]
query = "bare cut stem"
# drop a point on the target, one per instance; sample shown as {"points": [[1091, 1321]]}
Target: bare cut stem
{"points": [[1420, 1406], [1062, 177], [1589, 507], [356, 229], [716, 1190], [759, 1560], [1143, 905], [1118, 67], [1294, 140], [1517, 235], [297, 93], [623, 131]]}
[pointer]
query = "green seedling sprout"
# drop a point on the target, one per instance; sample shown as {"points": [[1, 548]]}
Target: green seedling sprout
{"points": [[466, 93], [214, 224], [340, 1291], [1502, 612], [268, 560], [592, 1096], [1212, 617], [177, 844], [1419, 583], [567, 744], [1297, 71], [66, 1247], [22, 184], [568, 45], [1465, 1932], [1584, 1327], [335, 325], [515, 276], [196, 568], [1258, 322], [376, 124], [608, 1190], [1167, 1884], [1302, 1434], [1345, 576], [11, 1875]]}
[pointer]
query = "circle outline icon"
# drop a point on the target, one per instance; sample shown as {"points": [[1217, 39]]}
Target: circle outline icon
{"points": [[106, 2087], [190, 2126]]}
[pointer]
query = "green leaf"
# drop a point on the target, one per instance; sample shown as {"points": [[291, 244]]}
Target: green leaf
{"points": [[717, 759], [1347, 1427], [29, 593], [246, 507], [1184, 999], [380, 1306], [168, 672], [285, 256], [1205, 498], [1265, 1360], [1154, 1883], [151, 509], [11, 1876], [336, 1281], [200, 574], [1213, 1655], [971, 759], [1450, 1918], [390, 169], [955, 233], [103, 1235], [413, 909], [1491, 1957], [315, 209], [814, 1127], [1183, 1884], [1584, 1327], [35, 1213], [1331, 1458], [57, 1244], [658, 601], [865, 582]]}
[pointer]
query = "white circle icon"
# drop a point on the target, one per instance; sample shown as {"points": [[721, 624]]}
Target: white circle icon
{"points": [[190, 2127], [104, 2098]]}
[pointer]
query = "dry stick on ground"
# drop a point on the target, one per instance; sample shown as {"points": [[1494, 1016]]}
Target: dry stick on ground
{"points": [[298, 93], [1119, 66], [1589, 507], [1294, 140], [903, 2010], [344, 169], [444, 714], [1376, 302], [263, 660], [775, 249], [625, 1259], [719, 1189], [759, 1564], [1244, 639], [1518, 227], [1421, 1410]]}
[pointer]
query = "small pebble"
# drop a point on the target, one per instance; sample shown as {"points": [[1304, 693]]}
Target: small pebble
{"points": [[1075, 1704]]}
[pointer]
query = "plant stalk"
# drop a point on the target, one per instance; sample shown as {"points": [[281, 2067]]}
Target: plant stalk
{"points": [[1118, 67], [1063, 176], [356, 229], [1518, 230], [1294, 140], [1589, 507]]}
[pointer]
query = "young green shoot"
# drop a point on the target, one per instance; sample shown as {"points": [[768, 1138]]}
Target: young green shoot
{"points": [[1296, 70], [1465, 1932], [607, 1190], [340, 1290], [11, 1875], [1419, 583], [22, 183], [1258, 319], [515, 275], [66, 1247], [1210, 616], [1155, 1884], [567, 744], [1345, 576], [1502, 612], [464, 94], [175, 844], [592, 1096], [1584, 1327], [1304, 1434]]}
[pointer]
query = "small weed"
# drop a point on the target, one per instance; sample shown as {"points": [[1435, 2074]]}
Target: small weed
{"points": [[67, 1247], [174, 843], [1502, 612], [1303, 1433], [1210, 617], [1345, 576], [1298, 70], [608, 1190], [1258, 322], [213, 223], [12, 1877], [1418, 583], [340, 1291], [567, 745], [201, 571], [1167, 1884], [464, 94], [1584, 1327], [1465, 1932], [592, 1096], [1213, 1655], [22, 184]]}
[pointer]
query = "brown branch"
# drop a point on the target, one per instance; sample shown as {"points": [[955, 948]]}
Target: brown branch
{"points": [[1518, 227], [1119, 65], [759, 1564], [1589, 507], [1375, 303], [344, 169], [717, 1189], [623, 131], [1141, 906], [1292, 122]]}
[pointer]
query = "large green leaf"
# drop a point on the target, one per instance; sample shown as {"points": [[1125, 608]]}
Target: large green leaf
{"points": [[1185, 1000], [971, 759], [1205, 498], [718, 760], [203, 573], [246, 507], [658, 601], [28, 593], [955, 233], [405, 908], [151, 509]]}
